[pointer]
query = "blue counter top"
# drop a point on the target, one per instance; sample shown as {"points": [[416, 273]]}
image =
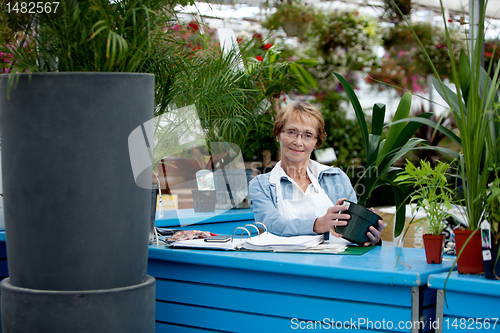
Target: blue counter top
{"points": [[466, 301], [380, 265], [465, 283]]}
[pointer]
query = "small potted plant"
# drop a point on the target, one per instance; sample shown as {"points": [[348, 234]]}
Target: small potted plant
{"points": [[434, 198]]}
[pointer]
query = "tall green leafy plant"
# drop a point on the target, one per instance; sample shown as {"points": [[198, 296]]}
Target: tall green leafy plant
{"points": [[382, 153], [473, 108]]}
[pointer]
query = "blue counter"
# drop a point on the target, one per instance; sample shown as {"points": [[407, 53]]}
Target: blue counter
{"points": [[384, 290], [466, 302], [202, 290]]}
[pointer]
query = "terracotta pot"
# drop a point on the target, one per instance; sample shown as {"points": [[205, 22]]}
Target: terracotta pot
{"points": [[434, 248], [471, 259]]}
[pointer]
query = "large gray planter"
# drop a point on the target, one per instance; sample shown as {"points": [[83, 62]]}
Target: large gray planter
{"points": [[75, 220]]}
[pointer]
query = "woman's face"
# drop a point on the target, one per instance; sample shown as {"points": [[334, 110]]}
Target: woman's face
{"points": [[299, 149]]}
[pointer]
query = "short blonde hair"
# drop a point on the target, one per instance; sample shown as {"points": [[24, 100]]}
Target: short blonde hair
{"points": [[300, 110]]}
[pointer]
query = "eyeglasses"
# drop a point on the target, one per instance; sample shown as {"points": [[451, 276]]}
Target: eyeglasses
{"points": [[294, 134]]}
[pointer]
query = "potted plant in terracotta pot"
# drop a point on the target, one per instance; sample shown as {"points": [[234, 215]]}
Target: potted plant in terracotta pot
{"points": [[432, 196]]}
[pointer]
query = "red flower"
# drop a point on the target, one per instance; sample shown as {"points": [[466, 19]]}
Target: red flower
{"points": [[259, 58], [488, 54], [267, 46], [194, 26], [257, 36]]}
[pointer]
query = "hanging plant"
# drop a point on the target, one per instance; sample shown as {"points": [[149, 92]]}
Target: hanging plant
{"points": [[400, 72], [340, 42], [400, 38], [291, 16]]}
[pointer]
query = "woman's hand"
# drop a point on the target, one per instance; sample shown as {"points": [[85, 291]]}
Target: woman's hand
{"points": [[331, 219], [374, 234]]}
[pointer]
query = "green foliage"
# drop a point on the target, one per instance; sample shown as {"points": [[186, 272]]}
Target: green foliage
{"points": [[431, 193], [93, 35], [98, 36], [276, 76], [473, 110], [381, 154], [224, 95], [260, 137]]}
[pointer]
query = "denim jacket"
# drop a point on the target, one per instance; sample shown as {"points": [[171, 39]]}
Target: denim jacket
{"points": [[262, 191]]}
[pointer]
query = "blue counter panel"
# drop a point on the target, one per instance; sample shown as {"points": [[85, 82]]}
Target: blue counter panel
{"points": [[467, 302], [188, 217], [252, 291], [213, 319], [270, 282], [382, 265]]}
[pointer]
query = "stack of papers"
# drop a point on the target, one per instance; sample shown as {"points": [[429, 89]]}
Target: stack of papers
{"points": [[270, 242]]}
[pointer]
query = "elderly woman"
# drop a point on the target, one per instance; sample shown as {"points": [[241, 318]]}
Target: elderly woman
{"points": [[301, 196]]}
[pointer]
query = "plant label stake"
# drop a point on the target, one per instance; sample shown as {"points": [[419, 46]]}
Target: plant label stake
{"points": [[160, 203], [486, 240], [227, 183], [205, 180]]}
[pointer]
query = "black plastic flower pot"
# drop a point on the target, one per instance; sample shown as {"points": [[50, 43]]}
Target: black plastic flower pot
{"points": [[359, 223], [75, 219], [204, 201]]}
